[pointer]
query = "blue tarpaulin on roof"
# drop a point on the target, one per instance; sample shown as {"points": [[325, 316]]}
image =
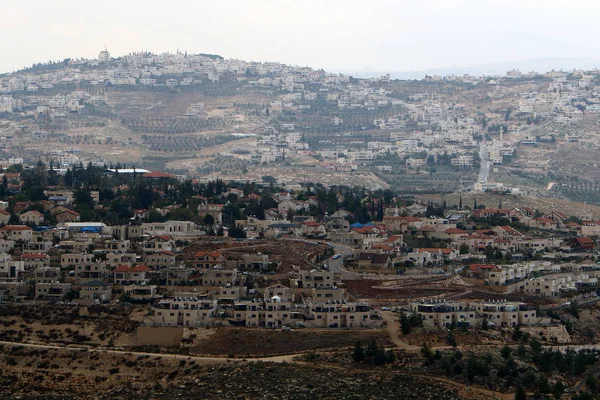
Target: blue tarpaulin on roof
{"points": [[359, 225], [91, 229]]}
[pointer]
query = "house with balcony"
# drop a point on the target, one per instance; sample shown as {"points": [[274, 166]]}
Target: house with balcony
{"points": [[32, 261], [140, 292], [208, 259], [95, 291], [159, 243], [135, 275], [52, 291], [160, 260], [17, 232], [92, 271]]}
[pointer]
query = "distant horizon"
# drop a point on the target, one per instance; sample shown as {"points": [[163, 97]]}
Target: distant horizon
{"points": [[336, 35], [539, 65]]}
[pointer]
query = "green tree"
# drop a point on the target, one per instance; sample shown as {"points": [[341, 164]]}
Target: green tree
{"points": [[505, 352], [208, 220], [358, 354], [520, 394], [405, 324], [464, 248]]}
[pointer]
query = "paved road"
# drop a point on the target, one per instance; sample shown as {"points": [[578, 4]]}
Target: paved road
{"points": [[393, 326], [337, 265], [484, 170]]}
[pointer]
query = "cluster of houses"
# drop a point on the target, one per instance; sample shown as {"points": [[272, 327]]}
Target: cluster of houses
{"points": [[313, 299], [500, 314], [83, 260], [543, 279]]}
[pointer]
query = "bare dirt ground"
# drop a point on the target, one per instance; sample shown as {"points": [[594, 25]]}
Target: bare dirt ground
{"points": [[371, 289], [249, 342], [112, 326]]}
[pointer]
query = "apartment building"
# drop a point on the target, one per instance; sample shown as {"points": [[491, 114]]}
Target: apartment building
{"points": [[95, 291], [444, 314]]}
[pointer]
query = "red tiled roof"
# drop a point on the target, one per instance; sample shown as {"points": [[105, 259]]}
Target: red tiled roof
{"points": [[584, 240], [312, 223], [164, 238], [69, 212], [136, 268], [15, 228], [169, 253], [21, 205], [382, 246], [454, 231], [34, 256], [213, 254], [477, 267], [4, 212], [365, 229]]}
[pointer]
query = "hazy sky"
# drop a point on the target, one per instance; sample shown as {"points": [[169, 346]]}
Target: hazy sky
{"points": [[338, 35]]}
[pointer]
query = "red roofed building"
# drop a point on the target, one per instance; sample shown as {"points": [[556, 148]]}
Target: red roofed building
{"points": [[254, 197], [455, 233], [136, 275], [209, 259], [426, 230], [506, 231], [583, 243], [33, 261], [573, 227], [21, 206], [159, 243], [31, 217], [314, 228], [17, 232], [493, 212], [478, 271], [68, 216], [546, 223], [401, 224], [367, 231]]}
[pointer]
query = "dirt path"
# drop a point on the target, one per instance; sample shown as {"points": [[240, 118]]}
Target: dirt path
{"points": [[393, 326], [275, 359], [465, 391]]}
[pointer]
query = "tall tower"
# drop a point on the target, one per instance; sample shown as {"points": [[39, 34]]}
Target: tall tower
{"points": [[104, 56]]}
